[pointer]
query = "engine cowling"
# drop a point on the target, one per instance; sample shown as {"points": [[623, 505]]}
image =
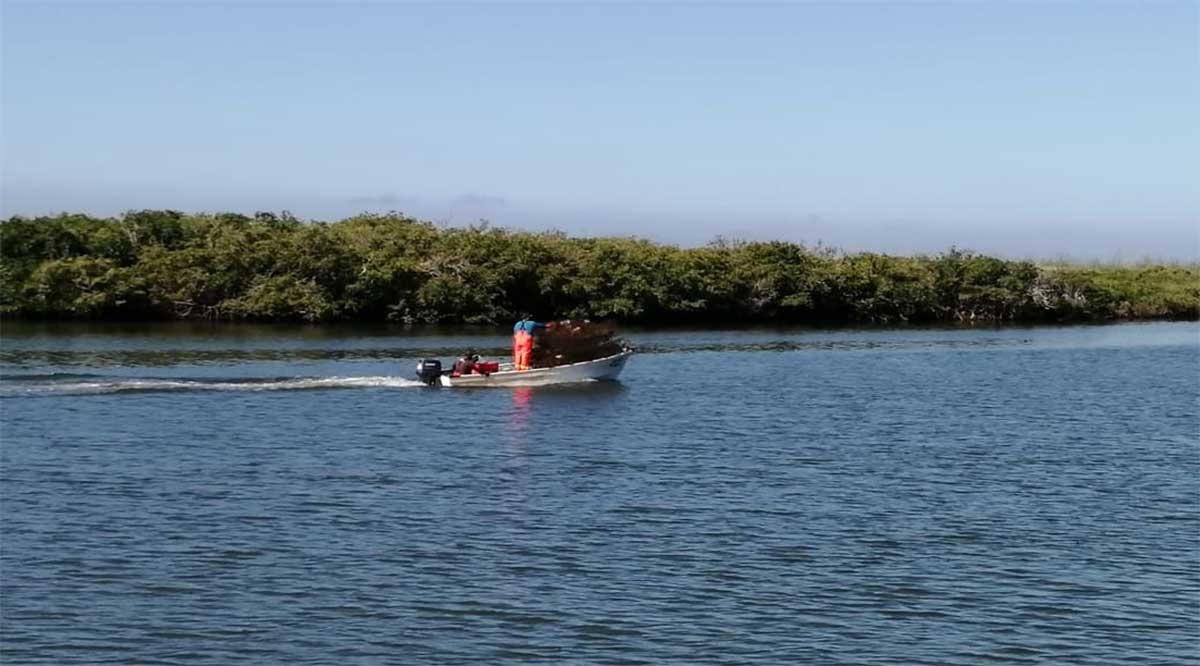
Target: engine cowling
{"points": [[429, 370]]}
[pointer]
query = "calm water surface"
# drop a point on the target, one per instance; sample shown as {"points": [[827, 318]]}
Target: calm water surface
{"points": [[217, 495]]}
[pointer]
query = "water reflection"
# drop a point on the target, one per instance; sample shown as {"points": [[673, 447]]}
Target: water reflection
{"points": [[551, 397], [522, 408]]}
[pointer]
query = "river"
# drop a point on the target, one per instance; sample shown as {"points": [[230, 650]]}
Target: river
{"points": [[200, 494]]}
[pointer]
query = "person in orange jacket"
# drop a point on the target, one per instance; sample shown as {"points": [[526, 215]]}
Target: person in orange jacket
{"points": [[523, 341]]}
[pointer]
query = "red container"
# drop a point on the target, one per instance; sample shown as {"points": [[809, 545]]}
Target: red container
{"points": [[486, 367]]}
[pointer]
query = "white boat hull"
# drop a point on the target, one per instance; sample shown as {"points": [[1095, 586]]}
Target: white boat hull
{"points": [[601, 369]]}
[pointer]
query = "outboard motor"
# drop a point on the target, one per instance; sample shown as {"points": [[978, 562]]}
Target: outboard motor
{"points": [[429, 370]]}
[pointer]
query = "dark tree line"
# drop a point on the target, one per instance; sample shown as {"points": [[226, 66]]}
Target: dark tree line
{"points": [[167, 264]]}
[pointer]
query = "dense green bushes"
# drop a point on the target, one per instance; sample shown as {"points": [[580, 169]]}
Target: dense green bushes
{"points": [[388, 267]]}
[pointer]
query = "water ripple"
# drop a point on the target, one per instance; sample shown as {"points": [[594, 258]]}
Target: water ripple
{"points": [[881, 500]]}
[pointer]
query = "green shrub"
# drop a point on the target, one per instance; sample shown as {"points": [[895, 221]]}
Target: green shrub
{"points": [[169, 264]]}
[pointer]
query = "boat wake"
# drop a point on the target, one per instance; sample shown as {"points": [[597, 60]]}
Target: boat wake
{"points": [[68, 384]]}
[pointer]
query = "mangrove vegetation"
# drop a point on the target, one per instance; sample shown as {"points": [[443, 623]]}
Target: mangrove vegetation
{"points": [[167, 264]]}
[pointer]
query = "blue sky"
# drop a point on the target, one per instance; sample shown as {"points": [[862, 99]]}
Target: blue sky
{"points": [[1025, 129]]}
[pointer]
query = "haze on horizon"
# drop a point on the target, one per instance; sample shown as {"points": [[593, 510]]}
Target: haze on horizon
{"points": [[1020, 129]]}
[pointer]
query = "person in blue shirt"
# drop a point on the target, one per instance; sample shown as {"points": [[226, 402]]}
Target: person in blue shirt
{"points": [[523, 341]]}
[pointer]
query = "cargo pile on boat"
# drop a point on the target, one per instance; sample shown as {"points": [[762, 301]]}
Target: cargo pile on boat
{"points": [[574, 342]]}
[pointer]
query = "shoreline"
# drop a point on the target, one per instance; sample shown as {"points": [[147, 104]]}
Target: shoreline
{"points": [[380, 329]]}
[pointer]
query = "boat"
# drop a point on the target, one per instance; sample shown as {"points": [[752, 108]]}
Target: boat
{"points": [[597, 370]]}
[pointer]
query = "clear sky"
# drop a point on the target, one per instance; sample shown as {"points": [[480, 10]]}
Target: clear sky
{"points": [[1020, 128]]}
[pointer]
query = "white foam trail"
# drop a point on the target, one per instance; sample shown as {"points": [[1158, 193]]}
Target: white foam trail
{"points": [[154, 385]]}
